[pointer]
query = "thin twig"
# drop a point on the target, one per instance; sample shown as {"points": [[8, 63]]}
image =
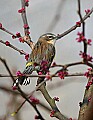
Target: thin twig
{"points": [[8, 90], [75, 26], [5, 30], [7, 68], [13, 47], [83, 27], [69, 75], [25, 22], [55, 74], [33, 105], [24, 18]]}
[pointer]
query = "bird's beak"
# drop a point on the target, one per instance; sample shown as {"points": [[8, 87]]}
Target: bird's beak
{"points": [[54, 40], [56, 37]]}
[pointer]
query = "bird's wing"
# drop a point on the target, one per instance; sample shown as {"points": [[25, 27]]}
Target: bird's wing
{"points": [[42, 51]]}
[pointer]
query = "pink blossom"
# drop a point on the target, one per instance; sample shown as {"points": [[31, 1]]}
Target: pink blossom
{"points": [[7, 43], [37, 117], [78, 23], [21, 10], [80, 37], [40, 73], [48, 77], [0, 25], [18, 34], [87, 11], [34, 100], [82, 54], [89, 58], [28, 32], [44, 66], [62, 74], [21, 39], [88, 73], [70, 119], [14, 87], [18, 73], [44, 62], [52, 113], [89, 69], [13, 36], [89, 41], [26, 3], [26, 0], [56, 99], [53, 64], [26, 26], [89, 84], [85, 56], [27, 57]]}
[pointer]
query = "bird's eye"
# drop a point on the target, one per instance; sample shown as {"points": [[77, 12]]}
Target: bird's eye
{"points": [[50, 37]]}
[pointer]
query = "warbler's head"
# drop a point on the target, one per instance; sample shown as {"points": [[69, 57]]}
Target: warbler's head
{"points": [[48, 37]]}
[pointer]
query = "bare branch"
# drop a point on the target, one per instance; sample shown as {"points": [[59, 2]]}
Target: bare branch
{"points": [[83, 27], [5, 30], [51, 102], [84, 113], [75, 26], [8, 90], [69, 75], [13, 47], [26, 29]]}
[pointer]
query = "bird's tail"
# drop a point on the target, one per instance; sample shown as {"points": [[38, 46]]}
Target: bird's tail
{"points": [[22, 80]]}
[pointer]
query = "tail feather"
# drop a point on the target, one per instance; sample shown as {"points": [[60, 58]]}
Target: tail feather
{"points": [[21, 80], [26, 81]]}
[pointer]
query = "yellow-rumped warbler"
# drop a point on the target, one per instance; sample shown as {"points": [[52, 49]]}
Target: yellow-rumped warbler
{"points": [[40, 58]]}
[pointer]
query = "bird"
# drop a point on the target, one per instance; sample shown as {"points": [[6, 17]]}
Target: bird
{"points": [[40, 58]]}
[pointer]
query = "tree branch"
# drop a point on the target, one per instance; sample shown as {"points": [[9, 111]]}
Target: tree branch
{"points": [[26, 29], [13, 47], [86, 110], [21, 92], [42, 76], [83, 27], [51, 102], [75, 26], [5, 30]]}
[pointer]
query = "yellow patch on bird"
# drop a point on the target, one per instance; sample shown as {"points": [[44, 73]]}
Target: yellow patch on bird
{"points": [[29, 63], [50, 41], [13, 114]]}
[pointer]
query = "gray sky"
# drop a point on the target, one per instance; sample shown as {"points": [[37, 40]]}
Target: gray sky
{"points": [[41, 14]]}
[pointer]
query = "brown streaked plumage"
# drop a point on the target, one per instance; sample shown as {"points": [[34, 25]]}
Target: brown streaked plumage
{"points": [[44, 50]]}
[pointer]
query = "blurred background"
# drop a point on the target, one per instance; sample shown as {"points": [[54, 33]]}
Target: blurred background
{"points": [[55, 16]]}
